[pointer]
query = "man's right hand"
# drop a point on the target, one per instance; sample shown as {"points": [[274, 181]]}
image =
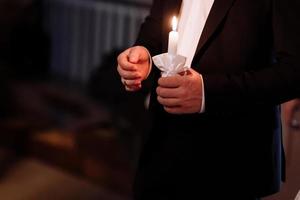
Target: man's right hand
{"points": [[133, 67]]}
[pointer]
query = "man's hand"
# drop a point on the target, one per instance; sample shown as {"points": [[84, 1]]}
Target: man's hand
{"points": [[181, 94], [289, 113], [133, 67]]}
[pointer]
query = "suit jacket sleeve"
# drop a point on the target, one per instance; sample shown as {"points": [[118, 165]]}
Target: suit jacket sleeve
{"points": [[150, 35], [271, 85]]}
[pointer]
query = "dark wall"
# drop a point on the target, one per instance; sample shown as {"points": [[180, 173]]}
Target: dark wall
{"points": [[24, 46]]}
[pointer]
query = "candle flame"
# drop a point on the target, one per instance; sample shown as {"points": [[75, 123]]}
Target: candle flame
{"points": [[174, 23]]}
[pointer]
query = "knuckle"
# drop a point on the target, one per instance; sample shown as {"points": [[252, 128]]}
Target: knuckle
{"points": [[134, 82], [119, 58], [124, 74], [136, 49], [133, 50], [170, 110], [167, 109], [129, 89], [137, 74], [158, 99], [139, 48], [119, 69], [158, 90], [161, 101], [128, 83], [160, 81]]}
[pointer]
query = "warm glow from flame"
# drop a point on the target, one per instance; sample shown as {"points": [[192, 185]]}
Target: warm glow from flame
{"points": [[174, 23]]}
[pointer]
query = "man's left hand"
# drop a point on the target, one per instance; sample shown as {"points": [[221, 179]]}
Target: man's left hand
{"points": [[182, 93]]}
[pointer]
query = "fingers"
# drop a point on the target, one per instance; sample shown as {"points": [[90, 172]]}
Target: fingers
{"points": [[134, 82], [131, 85], [132, 56], [168, 102], [174, 110], [128, 62], [133, 88], [137, 54], [124, 62], [168, 92], [180, 94], [170, 82], [169, 98], [132, 67], [127, 74]]}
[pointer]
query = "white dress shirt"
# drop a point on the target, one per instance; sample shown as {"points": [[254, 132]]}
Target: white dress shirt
{"points": [[193, 17], [194, 14]]}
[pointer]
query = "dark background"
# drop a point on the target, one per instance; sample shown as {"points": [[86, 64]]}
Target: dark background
{"points": [[68, 129]]}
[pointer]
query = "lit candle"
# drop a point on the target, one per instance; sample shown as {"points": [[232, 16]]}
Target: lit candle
{"points": [[173, 38]]}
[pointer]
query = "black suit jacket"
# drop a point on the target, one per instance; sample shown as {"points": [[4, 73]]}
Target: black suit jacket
{"points": [[247, 56]]}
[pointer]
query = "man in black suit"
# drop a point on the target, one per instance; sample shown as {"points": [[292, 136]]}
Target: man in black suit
{"points": [[217, 131]]}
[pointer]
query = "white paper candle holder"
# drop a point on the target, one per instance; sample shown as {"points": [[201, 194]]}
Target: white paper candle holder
{"points": [[169, 64]]}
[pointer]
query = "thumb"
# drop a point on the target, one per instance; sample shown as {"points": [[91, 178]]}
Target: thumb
{"points": [[138, 54], [191, 71], [134, 55]]}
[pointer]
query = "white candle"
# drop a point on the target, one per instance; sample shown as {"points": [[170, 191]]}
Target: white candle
{"points": [[173, 38]]}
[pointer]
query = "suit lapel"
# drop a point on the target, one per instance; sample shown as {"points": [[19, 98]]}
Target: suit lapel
{"points": [[218, 12]]}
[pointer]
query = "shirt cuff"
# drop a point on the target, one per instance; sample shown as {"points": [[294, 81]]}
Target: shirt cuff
{"points": [[150, 64], [203, 97]]}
